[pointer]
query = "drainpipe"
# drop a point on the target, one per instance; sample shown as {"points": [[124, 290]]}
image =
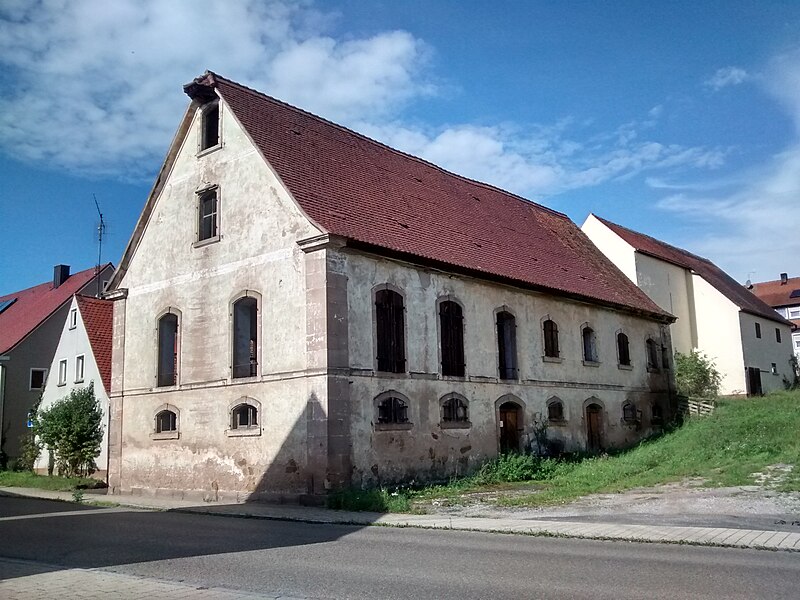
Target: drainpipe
{"points": [[2, 394]]}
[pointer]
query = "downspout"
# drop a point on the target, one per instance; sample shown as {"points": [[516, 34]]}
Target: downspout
{"points": [[2, 396]]}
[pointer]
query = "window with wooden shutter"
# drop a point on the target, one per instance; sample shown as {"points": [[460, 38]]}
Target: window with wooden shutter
{"points": [[452, 334], [507, 345], [550, 339], [390, 334]]}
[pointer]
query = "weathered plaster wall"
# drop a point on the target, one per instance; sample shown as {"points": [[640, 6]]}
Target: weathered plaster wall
{"points": [[618, 251], [72, 343], [719, 335], [763, 352], [427, 448], [257, 255]]}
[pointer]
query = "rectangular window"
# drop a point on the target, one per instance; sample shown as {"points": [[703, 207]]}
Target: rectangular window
{"points": [[794, 313], [777, 335], [79, 368], [62, 372], [73, 318], [774, 368], [758, 330], [207, 213], [390, 331], [38, 377], [210, 127]]}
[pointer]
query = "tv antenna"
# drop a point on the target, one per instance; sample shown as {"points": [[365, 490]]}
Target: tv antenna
{"points": [[101, 229]]}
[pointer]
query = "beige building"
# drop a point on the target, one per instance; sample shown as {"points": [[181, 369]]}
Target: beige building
{"points": [[748, 341], [302, 308]]}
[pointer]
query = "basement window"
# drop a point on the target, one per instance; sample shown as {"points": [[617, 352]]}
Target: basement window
{"points": [[209, 133], [166, 423], [245, 418], [455, 411]]}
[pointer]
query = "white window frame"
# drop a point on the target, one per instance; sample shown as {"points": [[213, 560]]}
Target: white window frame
{"points": [[30, 378], [794, 313], [73, 318], [62, 372], [80, 368]]}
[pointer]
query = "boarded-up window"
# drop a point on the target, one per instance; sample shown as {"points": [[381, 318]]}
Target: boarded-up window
{"points": [[167, 350], [550, 339], [245, 337], [507, 345], [555, 411], [166, 420], [629, 413], [455, 410], [589, 345], [452, 331], [210, 133], [390, 325], [623, 349], [392, 410]]}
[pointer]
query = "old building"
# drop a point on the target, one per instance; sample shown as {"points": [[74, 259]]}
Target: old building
{"points": [[82, 358], [30, 326], [301, 308], [784, 296], [749, 343]]}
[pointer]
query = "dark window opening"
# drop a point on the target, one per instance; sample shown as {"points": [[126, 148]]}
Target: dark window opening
{"points": [[777, 335], [629, 413], [665, 357], [244, 416], [623, 349], [392, 410], [390, 324], [758, 330], [452, 326], [167, 350], [507, 345], [166, 420], [210, 127], [656, 414], [454, 410], [550, 339], [555, 411], [245, 337], [37, 378], [207, 211], [589, 345], [652, 354]]}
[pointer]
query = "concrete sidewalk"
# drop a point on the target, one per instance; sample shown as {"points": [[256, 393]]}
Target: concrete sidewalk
{"points": [[706, 536]]}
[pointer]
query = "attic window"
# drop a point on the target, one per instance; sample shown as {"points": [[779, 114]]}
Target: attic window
{"points": [[209, 133], [6, 303], [795, 294]]}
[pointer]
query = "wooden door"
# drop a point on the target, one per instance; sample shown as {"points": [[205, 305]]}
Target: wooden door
{"points": [[754, 382], [594, 428], [509, 428]]}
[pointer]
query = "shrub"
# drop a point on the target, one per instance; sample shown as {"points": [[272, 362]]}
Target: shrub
{"points": [[72, 430], [516, 467], [696, 375], [31, 446]]}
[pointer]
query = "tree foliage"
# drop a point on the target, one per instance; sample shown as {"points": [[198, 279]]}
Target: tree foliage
{"points": [[72, 429], [696, 375]]}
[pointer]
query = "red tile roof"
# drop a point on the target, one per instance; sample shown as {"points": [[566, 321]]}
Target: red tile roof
{"points": [[359, 189], [719, 279], [98, 319], [34, 305], [776, 294]]}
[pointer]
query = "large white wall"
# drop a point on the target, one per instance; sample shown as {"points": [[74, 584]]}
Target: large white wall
{"points": [[618, 251]]}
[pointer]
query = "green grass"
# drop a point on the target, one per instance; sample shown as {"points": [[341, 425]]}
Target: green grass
{"points": [[742, 437], [43, 482]]}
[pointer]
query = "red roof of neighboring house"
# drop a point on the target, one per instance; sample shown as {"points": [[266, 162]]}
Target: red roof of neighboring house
{"points": [[359, 189], [34, 305], [724, 283], [777, 294], [98, 319]]}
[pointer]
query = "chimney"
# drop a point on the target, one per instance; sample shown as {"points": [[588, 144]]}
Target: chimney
{"points": [[60, 275], [784, 278]]}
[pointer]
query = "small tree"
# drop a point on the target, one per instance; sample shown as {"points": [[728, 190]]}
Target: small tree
{"points": [[696, 375], [72, 429]]}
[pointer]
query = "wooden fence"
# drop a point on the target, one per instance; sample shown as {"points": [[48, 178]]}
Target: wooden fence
{"points": [[696, 406]]}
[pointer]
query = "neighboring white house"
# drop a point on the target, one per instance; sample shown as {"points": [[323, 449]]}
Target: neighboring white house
{"points": [[784, 296], [82, 357], [301, 308], [748, 341]]}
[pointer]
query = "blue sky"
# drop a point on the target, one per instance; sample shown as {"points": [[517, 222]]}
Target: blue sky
{"points": [[678, 119]]}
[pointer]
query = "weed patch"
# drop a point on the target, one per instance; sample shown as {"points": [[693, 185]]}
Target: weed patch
{"points": [[43, 482]]}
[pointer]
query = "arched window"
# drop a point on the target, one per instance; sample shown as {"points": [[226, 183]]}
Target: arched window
{"points": [[550, 338], [455, 409], [652, 354], [392, 410], [623, 349], [629, 413], [507, 345], [390, 331], [167, 350], [589, 344], [244, 416], [451, 323], [245, 337], [555, 410], [166, 421]]}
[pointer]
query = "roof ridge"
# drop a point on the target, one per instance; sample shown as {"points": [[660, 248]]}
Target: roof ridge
{"points": [[368, 139]]}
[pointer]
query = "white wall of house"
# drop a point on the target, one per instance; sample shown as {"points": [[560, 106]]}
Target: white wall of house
{"points": [[74, 342], [257, 254], [618, 251], [766, 351]]}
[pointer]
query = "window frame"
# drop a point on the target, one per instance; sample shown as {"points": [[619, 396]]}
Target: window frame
{"points": [[80, 368], [405, 425], [451, 335], [388, 320], [160, 434], [778, 337], [557, 420], [44, 373], [200, 196], [62, 372], [169, 312], [624, 360], [590, 352], [631, 414], [506, 344], [203, 147], [651, 352], [255, 354], [73, 318], [758, 330], [252, 430], [551, 350], [455, 423]]}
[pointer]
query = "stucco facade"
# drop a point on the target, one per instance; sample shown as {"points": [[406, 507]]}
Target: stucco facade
{"points": [[314, 383], [714, 314]]}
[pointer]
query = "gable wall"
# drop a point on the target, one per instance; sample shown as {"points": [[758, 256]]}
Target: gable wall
{"points": [[617, 250], [764, 351]]}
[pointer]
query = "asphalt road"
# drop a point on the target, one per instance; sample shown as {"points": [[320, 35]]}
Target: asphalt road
{"points": [[336, 561]]}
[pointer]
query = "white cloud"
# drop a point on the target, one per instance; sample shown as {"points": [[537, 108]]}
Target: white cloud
{"points": [[727, 76]]}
